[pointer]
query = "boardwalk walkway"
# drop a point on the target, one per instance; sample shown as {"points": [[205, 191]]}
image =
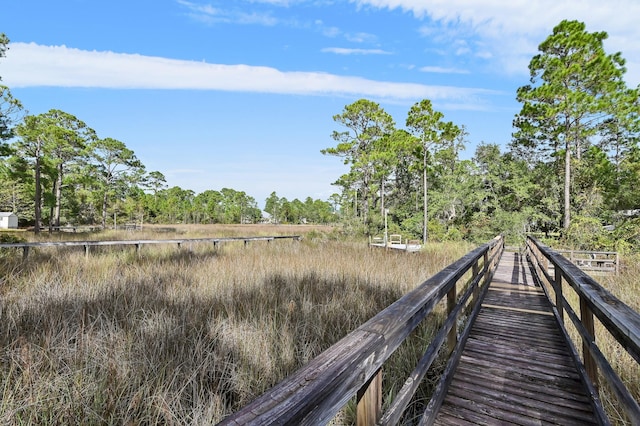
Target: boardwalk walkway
{"points": [[516, 367]]}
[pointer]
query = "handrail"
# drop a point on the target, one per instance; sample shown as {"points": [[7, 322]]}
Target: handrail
{"points": [[352, 367], [622, 322], [605, 261], [138, 243]]}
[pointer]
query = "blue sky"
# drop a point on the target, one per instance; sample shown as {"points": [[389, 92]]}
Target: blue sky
{"points": [[241, 93]]}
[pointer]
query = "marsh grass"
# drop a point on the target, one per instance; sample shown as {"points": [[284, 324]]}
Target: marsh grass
{"points": [[185, 231], [190, 335], [626, 287]]}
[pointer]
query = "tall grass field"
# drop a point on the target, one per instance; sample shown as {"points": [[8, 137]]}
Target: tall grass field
{"points": [[188, 335], [183, 336]]}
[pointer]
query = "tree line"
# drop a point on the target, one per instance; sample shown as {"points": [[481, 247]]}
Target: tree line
{"points": [[55, 170], [572, 166]]}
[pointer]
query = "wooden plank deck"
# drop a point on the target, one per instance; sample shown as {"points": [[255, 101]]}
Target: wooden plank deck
{"points": [[399, 246], [516, 367]]}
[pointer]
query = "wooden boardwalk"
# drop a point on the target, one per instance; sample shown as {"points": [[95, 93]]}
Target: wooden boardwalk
{"points": [[516, 367]]}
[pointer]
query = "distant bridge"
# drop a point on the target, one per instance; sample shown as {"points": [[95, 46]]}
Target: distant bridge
{"points": [[510, 359]]}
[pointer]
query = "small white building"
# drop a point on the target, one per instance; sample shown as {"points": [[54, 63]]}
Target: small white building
{"points": [[8, 220]]}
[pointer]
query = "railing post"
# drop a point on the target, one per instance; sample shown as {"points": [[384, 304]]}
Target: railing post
{"points": [[543, 263], [586, 317], [86, 250], [369, 400], [558, 292], [476, 270], [25, 252], [486, 266], [451, 305]]}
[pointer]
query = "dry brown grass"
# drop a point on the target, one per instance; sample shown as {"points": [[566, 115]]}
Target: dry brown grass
{"points": [[626, 287], [184, 336], [183, 231]]}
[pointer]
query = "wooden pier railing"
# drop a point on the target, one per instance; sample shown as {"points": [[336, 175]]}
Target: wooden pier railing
{"points": [[353, 366], [598, 262], [622, 322], [138, 243]]}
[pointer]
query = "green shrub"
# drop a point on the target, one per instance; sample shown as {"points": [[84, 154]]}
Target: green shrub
{"points": [[627, 236], [587, 233], [10, 238]]}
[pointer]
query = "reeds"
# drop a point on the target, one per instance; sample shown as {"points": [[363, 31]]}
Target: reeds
{"points": [[625, 287], [185, 336]]}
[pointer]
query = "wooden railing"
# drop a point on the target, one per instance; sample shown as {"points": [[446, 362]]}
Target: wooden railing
{"points": [[607, 262], [395, 242], [622, 322], [137, 243], [353, 366]]}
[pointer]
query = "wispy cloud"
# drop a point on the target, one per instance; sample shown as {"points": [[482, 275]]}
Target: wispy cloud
{"points": [[330, 32], [31, 64], [205, 9], [511, 31], [443, 70], [208, 14], [347, 51], [361, 38], [284, 3]]}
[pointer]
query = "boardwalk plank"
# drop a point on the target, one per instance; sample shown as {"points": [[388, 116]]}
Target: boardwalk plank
{"points": [[522, 352], [523, 403], [507, 335], [521, 390], [495, 340], [553, 377], [511, 413], [532, 390], [516, 367]]}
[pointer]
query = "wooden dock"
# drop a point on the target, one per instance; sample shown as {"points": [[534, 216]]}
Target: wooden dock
{"points": [[516, 367], [395, 242]]}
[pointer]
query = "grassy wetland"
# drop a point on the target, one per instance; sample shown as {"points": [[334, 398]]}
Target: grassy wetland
{"points": [[626, 287], [189, 335]]}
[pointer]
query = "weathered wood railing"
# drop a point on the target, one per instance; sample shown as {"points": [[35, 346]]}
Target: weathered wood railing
{"points": [[353, 366], [622, 322], [395, 242], [138, 243], [607, 262]]}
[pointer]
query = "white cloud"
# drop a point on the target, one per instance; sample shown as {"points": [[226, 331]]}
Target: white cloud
{"points": [[512, 30], [443, 70], [211, 15], [31, 64], [284, 3], [346, 51], [361, 38], [205, 9], [331, 32]]}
